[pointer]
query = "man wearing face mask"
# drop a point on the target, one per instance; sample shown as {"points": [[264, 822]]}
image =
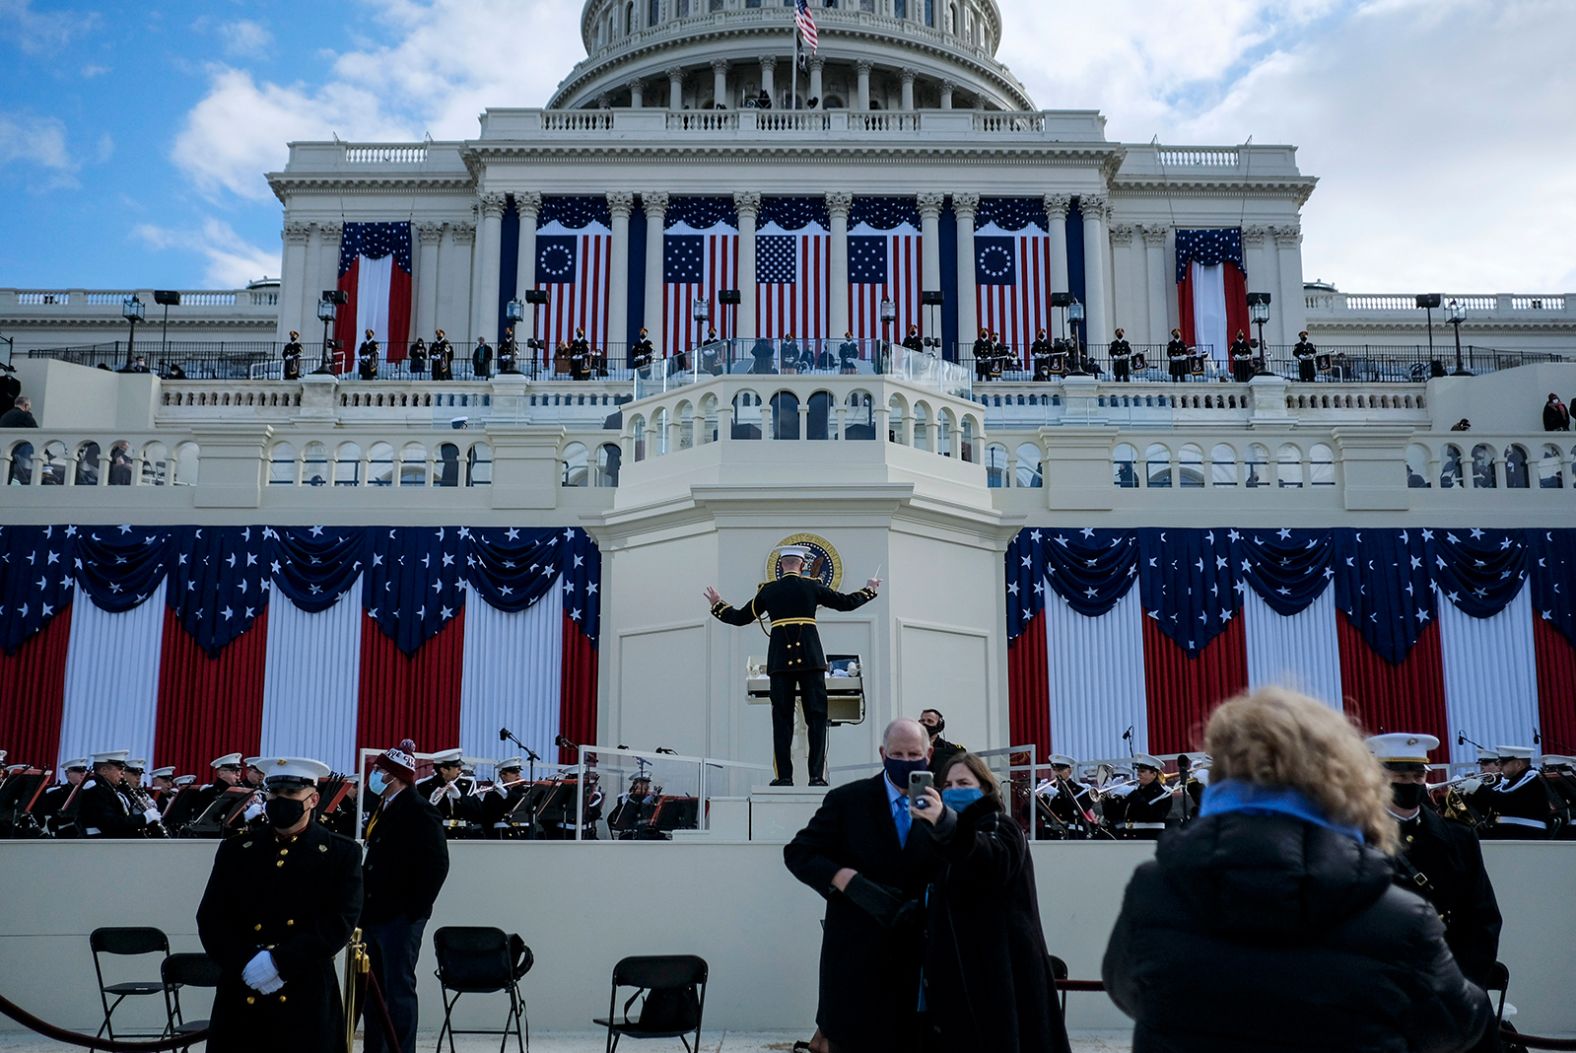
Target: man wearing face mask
{"points": [[942, 752], [1440, 860], [275, 941], [863, 852], [406, 865]]}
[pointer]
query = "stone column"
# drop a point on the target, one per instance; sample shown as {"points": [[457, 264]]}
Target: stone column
{"points": [[1260, 268], [329, 236], [719, 81], [427, 236], [817, 67], [1095, 209], [838, 203], [908, 76], [637, 94], [656, 205], [294, 277], [965, 206], [1157, 291], [947, 88], [749, 205], [930, 204], [529, 204], [675, 88], [1128, 302], [456, 262], [863, 67], [1056, 207], [484, 299], [620, 203], [769, 77], [1293, 310]]}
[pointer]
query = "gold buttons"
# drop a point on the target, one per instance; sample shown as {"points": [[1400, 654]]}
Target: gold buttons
{"points": [[284, 851], [280, 863], [289, 922], [258, 927], [281, 999], [251, 1000]]}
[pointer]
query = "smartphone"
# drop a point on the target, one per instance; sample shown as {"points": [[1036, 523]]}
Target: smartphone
{"points": [[918, 783]]}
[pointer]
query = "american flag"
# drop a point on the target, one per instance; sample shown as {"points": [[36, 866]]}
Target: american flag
{"points": [[806, 23], [574, 268], [790, 282], [884, 260], [700, 257], [1012, 283]]}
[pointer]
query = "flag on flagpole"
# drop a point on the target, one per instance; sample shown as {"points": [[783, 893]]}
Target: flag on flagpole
{"points": [[806, 23]]}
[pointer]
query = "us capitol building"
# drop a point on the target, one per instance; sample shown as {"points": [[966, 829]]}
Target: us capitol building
{"points": [[901, 178]]}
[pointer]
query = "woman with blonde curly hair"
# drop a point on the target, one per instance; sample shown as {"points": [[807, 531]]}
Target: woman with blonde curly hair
{"points": [[1271, 921]]}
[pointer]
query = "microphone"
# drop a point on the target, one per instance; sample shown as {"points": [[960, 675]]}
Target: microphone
{"points": [[1461, 738], [503, 734], [1128, 734], [1537, 737], [563, 742]]}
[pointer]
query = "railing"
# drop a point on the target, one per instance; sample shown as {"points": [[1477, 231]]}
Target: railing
{"points": [[1009, 122], [1199, 157], [792, 121], [385, 153], [702, 121], [719, 357], [267, 296], [577, 121], [1479, 306]]}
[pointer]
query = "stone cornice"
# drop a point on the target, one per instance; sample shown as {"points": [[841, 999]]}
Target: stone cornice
{"points": [[1066, 155], [1301, 187], [386, 183]]}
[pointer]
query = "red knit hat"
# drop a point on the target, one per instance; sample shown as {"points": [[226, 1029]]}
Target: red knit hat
{"points": [[399, 761]]}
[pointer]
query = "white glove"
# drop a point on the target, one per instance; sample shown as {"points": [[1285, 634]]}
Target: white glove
{"points": [[452, 792], [253, 810], [1121, 791], [499, 790], [260, 971], [152, 815], [1471, 786], [270, 986]]}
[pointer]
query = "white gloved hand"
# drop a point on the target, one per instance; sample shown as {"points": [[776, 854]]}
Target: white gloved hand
{"points": [[260, 971], [253, 810], [1471, 786], [452, 792], [151, 815], [270, 986], [1121, 791]]}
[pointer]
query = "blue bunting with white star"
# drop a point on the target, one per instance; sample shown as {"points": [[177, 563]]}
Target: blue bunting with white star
{"points": [[36, 580]]}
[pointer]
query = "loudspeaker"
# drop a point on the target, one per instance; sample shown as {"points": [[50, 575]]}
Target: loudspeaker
{"points": [[536, 296], [728, 296], [930, 299], [1431, 299], [336, 296], [172, 297], [1256, 298], [1063, 299]]}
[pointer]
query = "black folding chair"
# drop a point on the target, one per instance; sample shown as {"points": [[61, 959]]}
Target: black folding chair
{"points": [[1059, 973], [1498, 980], [481, 960], [125, 941], [185, 969], [671, 989]]}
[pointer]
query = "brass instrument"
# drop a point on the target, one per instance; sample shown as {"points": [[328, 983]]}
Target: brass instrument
{"points": [[140, 798], [357, 965]]}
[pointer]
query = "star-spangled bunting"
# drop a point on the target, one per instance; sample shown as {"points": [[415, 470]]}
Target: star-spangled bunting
{"points": [[1187, 584], [1480, 571], [575, 211], [1011, 213], [219, 583], [36, 580], [414, 588], [375, 241], [1208, 247], [1288, 568], [1551, 564], [794, 213]]}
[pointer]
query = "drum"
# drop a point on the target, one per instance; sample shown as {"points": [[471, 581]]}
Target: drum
{"points": [[1322, 362], [1139, 362], [1195, 362]]}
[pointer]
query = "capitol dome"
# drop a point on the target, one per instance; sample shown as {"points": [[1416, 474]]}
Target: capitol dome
{"points": [[873, 55]]}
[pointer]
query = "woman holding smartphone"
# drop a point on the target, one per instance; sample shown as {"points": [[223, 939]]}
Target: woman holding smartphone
{"points": [[987, 972]]}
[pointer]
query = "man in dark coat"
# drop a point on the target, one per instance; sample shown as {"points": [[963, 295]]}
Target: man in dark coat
{"points": [[1241, 358], [481, 359], [280, 904], [942, 752], [102, 811], [20, 415], [795, 662], [367, 358], [1305, 353], [863, 852], [1555, 416], [10, 388], [406, 865], [1440, 860], [292, 356]]}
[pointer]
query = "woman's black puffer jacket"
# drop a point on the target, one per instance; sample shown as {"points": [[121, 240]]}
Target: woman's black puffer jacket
{"points": [[1260, 933]]}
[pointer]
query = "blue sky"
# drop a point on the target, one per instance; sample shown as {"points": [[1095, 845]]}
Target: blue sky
{"points": [[133, 138]]}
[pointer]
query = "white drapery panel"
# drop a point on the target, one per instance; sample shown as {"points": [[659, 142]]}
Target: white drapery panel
{"points": [[1209, 308], [511, 675], [1096, 674], [1301, 652], [311, 680], [1491, 675], [112, 678], [372, 301]]}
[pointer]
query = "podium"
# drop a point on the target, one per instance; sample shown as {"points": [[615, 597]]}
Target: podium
{"points": [[845, 687]]}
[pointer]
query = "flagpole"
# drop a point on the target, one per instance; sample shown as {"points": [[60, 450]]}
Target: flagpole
{"points": [[793, 94]]}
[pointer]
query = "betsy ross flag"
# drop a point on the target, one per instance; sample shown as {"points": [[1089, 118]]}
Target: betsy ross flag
{"points": [[700, 258], [1012, 271], [884, 261], [806, 23], [374, 273], [191, 641]]}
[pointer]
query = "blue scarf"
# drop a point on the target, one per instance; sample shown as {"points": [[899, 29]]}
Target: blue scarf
{"points": [[1236, 795]]}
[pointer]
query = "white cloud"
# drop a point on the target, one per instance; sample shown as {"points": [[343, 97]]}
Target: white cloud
{"points": [[231, 260], [246, 37], [32, 139], [91, 70], [38, 32]]}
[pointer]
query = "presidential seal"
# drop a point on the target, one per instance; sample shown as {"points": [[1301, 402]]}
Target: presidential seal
{"points": [[824, 564]]}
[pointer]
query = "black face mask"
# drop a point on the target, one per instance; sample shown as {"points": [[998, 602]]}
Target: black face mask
{"points": [[1407, 795], [284, 812], [934, 730]]}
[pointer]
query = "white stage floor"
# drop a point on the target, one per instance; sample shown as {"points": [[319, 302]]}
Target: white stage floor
{"points": [[596, 1041]]}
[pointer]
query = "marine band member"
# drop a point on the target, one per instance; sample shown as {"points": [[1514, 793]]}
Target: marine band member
{"points": [[795, 662], [442, 357], [1069, 801], [1519, 801], [102, 810], [1040, 355], [1241, 358], [1149, 803], [1177, 356], [1121, 358], [449, 791], [643, 353], [1304, 352], [367, 358], [292, 356]]}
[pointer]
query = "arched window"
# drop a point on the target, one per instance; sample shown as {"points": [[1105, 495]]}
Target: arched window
{"points": [[818, 423], [186, 464], [1223, 465], [1029, 474], [921, 426], [608, 456], [314, 464], [155, 465], [1190, 461], [1256, 468], [859, 416], [659, 433], [996, 466], [1516, 467], [1124, 466], [478, 465], [1417, 466], [716, 5], [637, 435], [380, 465], [1157, 465], [347, 464], [413, 465], [448, 465], [946, 427], [1288, 466], [1450, 467], [629, 18], [653, 12], [746, 415], [785, 415], [951, 24], [282, 464], [1321, 465], [897, 412], [900, 8], [1483, 477], [88, 466], [970, 444], [54, 467], [1551, 474], [575, 465]]}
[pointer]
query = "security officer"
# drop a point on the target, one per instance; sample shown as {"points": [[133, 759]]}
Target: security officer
{"points": [[450, 792], [1519, 801], [292, 356], [1121, 357], [1149, 804], [913, 341], [794, 659], [367, 358], [1440, 860], [280, 904], [942, 752], [1304, 352], [101, 809]]}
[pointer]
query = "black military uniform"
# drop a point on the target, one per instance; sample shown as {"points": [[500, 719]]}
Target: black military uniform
{"points": [[292, 359], [1068, 804], [1520, 806], [847, 353], [442, 359], [1176, 358], [580, 357], [481, 359], [466, 809], [1241, 360], [794, 660], [367, 360], [508, 354], [985, 357], [1040, 355], [1304, 351], [418, 357], [942, 754], [643, 352], [102, 811], [298, 898], [1442, 862], [1121, 358]]}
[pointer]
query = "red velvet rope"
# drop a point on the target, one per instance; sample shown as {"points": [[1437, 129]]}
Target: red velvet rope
{"points": [[73, 1038]]}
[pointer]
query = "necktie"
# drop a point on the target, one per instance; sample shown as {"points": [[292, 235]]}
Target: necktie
{"points": [[904, 820]]}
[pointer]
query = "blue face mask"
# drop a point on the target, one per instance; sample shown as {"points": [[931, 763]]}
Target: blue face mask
{"points": [[898, 770], [376, 783], [960, 797]]}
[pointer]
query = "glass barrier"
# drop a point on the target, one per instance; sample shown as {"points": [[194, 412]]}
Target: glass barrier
{"points": [[731, 357], [650, 796]]}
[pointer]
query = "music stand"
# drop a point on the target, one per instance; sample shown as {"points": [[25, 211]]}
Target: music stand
{"points": [[182, 808]]}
